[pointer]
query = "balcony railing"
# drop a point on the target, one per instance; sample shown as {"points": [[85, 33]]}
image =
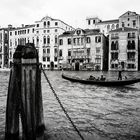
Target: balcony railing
{"points": [[114, 37], [131, 60], [131, 50], [131, 36]]}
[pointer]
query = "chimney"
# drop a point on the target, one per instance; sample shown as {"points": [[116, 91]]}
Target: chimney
{"points": [[22, 25], [9, 26]]}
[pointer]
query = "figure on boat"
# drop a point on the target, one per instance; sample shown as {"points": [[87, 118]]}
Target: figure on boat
{"points": [[102, 78], [119, 71]]}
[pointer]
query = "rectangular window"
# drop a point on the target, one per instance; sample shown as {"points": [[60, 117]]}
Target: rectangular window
{"points": [[134, 23], [74, 41], [69, 41], [69, 53], [37, 25], [48, 50], [44, 59], [33, 30], [48, 59], [44, 51], [56, 23], [55, 59], [55, 50], [88, 22]]}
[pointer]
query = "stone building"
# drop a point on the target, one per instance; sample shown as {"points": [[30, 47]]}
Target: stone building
{"points": [[129, 19], [44, 34], [103, 26], [83, 50], [47, 31], [20, 36], [4, 47], [124, 49]]}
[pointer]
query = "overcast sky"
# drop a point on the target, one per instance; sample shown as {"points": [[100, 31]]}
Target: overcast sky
{"points": [[73, 12]]}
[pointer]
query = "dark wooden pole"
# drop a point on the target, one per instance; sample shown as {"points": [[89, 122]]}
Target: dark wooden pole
{"points": [[25, 81], [13, 103]]}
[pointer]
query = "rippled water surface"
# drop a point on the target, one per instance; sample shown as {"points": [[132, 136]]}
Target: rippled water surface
{"points": [[100, 113]]}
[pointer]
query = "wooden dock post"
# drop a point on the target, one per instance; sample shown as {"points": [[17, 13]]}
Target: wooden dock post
{"points": [[25, 96]]}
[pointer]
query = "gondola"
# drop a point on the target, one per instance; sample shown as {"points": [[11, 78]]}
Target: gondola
{"points": [[123, 82]]}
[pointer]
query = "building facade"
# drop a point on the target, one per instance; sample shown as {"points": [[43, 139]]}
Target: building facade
{"points": [[20, 36], [103, 26], [47, 32], [82, 50], [4, 47], [124, 49], [129, 19], [44, 34]]}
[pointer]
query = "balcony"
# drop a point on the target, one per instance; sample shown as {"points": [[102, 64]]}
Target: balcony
{"points": [[131, 60], [114, 60], [131, 36], [131, 50], [114, 37]]}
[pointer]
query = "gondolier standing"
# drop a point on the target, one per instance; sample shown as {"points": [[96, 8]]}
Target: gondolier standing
{"points": [[119, 71]]}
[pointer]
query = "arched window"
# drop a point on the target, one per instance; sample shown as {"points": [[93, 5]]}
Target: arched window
{"points": [[44, 23], [48, 40], [112, 45], [98, 39], [60, 53], [88, 40], [117, 26], [108, 27], [48, 23], [113, 26], [44, 40], [61, 42]]}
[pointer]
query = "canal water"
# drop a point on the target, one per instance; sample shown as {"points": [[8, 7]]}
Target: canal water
{"points": [[100, 113]]}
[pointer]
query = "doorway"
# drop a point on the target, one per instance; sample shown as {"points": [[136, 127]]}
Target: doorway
{"points": [[77, 65]]}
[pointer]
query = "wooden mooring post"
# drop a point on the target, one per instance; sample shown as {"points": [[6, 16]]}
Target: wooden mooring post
{"points": [[25, 96]]}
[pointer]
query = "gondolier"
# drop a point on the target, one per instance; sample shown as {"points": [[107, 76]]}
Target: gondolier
{"points": [[119, 71]]}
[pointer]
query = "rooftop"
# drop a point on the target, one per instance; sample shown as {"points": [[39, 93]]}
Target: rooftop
{"points": [[123, 29], [109, 21], [85, 31]]}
